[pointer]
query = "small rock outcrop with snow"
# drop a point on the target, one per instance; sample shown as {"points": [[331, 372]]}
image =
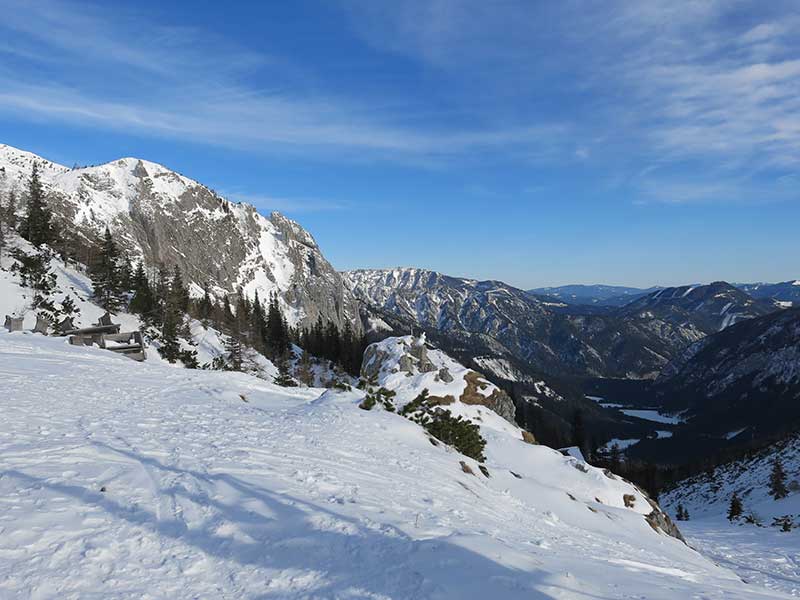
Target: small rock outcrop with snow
{"points": [[161, 217], [406, 365]]}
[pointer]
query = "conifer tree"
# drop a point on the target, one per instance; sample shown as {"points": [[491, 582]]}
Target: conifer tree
{"points": [[179, 291], [579, 433], [170, 348], [142, 302], [777, 481], [2, 226], [258, 325], [125, 273], [105, 275], [615, 458], [10, 218], [205, 306], [34, 271], [37, 227], [228, 319], [304, 372], [277, 331], [735, 508], [233, 348]]}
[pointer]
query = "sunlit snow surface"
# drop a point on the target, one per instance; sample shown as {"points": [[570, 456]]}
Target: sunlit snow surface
{"points": [[128, 480]]}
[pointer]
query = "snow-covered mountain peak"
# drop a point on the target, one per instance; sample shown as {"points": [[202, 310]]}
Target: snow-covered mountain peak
{"points": [[16, 163], [163, 217]]}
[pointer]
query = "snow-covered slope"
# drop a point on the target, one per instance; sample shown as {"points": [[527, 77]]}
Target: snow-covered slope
{"points": [[130, 480], [709, 494], [162, 217], [762, 554]]}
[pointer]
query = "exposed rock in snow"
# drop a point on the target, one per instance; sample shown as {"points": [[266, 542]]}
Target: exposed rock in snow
{"points": [[406, 366]]}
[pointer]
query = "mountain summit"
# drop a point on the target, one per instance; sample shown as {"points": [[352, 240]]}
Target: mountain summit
{"points": [[161, 217]]}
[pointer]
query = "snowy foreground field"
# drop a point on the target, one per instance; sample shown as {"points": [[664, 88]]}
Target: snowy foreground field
{"points": [[762, 556], [128, 480]]}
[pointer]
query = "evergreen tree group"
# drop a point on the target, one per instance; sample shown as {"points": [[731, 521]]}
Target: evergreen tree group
{"points": [[37, 227], [344, 347], [110, 276], [682, 514]]}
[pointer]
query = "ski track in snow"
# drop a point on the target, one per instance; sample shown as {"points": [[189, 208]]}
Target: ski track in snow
{"points": [[128, 480], [762, 556]]}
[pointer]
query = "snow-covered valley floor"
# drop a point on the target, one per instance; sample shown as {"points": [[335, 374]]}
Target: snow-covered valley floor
{"points": [[134, 480], [763, 556]]}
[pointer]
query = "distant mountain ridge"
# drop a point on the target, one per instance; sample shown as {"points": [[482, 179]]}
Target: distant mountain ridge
{"points": [[531, 329], [785, 292], [710, 307], [737, 388], [597, 294], [161, 217]]}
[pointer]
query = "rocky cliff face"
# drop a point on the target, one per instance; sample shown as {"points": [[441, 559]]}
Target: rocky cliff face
{"points": [[161, 217]]}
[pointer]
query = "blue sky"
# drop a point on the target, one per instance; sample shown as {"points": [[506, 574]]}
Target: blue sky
{"points": [[540, 143]]}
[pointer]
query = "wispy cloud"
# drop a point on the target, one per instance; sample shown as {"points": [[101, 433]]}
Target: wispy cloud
{"points": [[284, 204], [713, 85], [161, 82]]}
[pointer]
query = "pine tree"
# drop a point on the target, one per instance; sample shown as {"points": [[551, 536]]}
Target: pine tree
{"points": [[615, 458], [579, 433], [10, 211], [228, 319], [105, 275], [170, 297], [125, 273], [735, 508], [205, 306], [777, 481], [34, 272], [170, 348], [284, 379], [304, 372], [37, 227], [233, 348], [142, 302], [258, 325], [179, 291], [277, 332]]}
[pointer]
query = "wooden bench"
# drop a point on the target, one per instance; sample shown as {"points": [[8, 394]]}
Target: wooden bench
{"points": [[107, 335], [13, 323]]}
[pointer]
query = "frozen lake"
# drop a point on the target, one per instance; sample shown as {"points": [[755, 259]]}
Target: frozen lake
{"points": [[651, 415]]}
